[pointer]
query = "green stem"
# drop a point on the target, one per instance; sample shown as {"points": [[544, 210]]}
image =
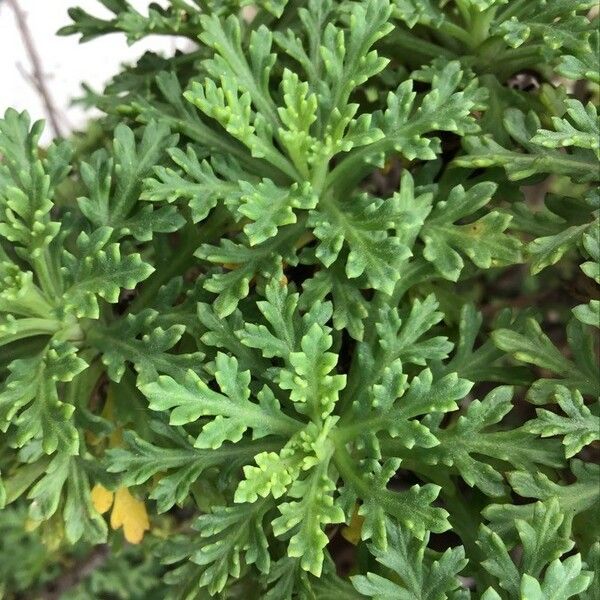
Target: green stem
{"points": [[457, 33], [24, 477], [348, 433], [31, 327], [405, 40], [481, 26], [346, 467], [354, 167], [465, 12], [514, 9], [180, 261], [524, 52], [47, 276]]}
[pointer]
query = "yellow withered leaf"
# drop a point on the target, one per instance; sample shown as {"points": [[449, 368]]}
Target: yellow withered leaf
{"points": [[353, 531], [130, 513], [102, 498]]}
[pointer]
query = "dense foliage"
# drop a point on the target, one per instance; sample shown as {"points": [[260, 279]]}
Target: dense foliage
{"points": [[311, 311]]}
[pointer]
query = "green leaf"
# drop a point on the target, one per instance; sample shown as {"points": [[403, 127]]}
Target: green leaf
{"points": [[19, 294], [348, 59], [400, 336], [592, 561], [577, 500], [247, 70], [581, 130], [521, 36], [233, 411], [298, 115], [579, 427], [179, 18], [411, 508], [29, 400], [350, 306], [423, 13], [548, 250], [226, 334], [484, 151], [80, 517], [464, 444], [585, 64], [418, 576], [276, 472], [198, 183], [98, 269], [244, 264], [179, 463], [288, 577], [226, 535], [393, 406], [498, 562], [403, 337], [269, 207], [237, 86], [65, 484], [479, 363], [279, 310], [142, 341], [27, 184], [544, 541], [562, 580], [533, 346], [591, 243], [171, 109], [275, 7], [482, 240], [363, 225], [114, 185], [588, 314]]}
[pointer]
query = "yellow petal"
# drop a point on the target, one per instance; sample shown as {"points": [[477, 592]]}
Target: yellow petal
{"points": [[130, 513], [102, 498], [353, 531]]}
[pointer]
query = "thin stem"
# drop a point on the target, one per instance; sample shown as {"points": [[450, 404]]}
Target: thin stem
{"points": [[514, 9], [345, 465], [47, 275], [31, 327], [347, 433], [38, 77], [405, 40], [457, 33], [513, 54], [465, 13], [481, 25]]}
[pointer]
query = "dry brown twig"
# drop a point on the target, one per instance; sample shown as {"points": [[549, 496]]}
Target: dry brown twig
{"points": [[37, 78]]}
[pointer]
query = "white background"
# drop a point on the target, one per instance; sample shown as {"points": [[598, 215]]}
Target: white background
{"points": [[66, 62]]}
